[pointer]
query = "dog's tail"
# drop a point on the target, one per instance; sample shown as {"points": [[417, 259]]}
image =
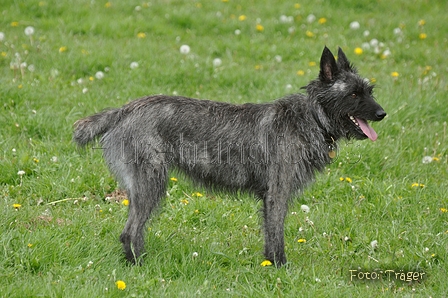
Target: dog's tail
{"points": [[86, 130]]}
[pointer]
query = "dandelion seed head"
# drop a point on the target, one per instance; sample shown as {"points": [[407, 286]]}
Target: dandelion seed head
{"points": [[184, 49], [29, 30], [195, 255], [237, 32], [310, 18], [217, 62], [366, 33], [355, 25], [305, 209], [2, 36], [426, 159], [133, 65], [374, 244], [99, 75], [85, 90], [20, 173]]}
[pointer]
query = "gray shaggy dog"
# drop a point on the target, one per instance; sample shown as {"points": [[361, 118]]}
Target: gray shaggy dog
{"points": [[271, 150]]}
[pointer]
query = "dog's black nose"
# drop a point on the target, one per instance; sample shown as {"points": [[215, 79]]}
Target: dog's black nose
{"points": [[380, 114]]}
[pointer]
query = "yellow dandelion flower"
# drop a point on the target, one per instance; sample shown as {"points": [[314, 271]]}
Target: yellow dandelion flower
{"points": [[125, 202], [373, 80], [415, 184], [14, 24], [309, 33], [174, 179], [443, 210], [300, 72], [259, 28], [348, 179], [301, 240], [184, 201], [108, 4], [4, 54], [141, 35], [297, 6], [242, 18], [395, 74], [121, 285], [35, 160], [16, 206], [322, 21], [421, 22], [197, 194], [91, 78], [20, 86], [422, 36], [341, 178], [312, 63], [358, 51], [30, 245], [196, 211], [266, 263], [62, 49], [258, 67], [435, 159]]}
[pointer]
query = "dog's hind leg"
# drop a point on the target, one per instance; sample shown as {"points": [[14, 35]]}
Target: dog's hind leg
{"points": [[145, 193]]}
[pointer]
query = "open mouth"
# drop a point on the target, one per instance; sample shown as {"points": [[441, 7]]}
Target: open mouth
{"points": [[364, 127]]}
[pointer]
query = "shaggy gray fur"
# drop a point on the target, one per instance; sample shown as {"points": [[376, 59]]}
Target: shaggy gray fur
{"points": [[271, 150]]}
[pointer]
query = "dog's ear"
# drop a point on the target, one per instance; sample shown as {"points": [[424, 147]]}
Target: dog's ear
{"points": [[328, 66], [343, 62]]}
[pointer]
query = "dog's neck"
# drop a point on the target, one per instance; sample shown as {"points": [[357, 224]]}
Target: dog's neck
{"points": [[329, 137]]}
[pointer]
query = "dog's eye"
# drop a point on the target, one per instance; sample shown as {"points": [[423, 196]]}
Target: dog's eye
{"points": [[354, 95]]}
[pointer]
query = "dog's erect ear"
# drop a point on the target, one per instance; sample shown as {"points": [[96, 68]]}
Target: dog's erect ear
{"points": [[343, 62], [328, 66]]}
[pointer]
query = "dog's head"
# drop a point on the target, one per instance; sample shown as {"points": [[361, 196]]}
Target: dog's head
{"points": [[346, 98]]}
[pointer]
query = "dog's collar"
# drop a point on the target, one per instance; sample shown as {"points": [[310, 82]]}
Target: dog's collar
{"points": [[328, 137]]}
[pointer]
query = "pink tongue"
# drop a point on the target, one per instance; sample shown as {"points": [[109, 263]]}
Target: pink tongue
{"points": [[367, 130]]}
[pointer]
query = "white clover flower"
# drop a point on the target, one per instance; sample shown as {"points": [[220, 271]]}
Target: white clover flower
{"points": [[397, 31], [54, 159], [184, 49], [195, 255], [99, 75], [85, 90], [355, 25], [305, 208], [20, 173], [133, 65], [29, 31], [278, 58], [310, 18], [2, 36], [374, 244], [31, 68], [217, 62], [288, 86]]}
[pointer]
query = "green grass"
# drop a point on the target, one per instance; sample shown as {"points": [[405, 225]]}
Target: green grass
{"points": [[71, 248]]}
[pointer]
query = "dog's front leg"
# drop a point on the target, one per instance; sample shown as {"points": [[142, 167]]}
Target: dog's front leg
{"points": [[274, 212]]}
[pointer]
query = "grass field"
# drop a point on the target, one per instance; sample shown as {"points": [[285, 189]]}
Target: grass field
{"points": [[380, 206]]}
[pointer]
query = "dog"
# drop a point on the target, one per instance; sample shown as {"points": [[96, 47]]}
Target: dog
{"points": [[271, 150]]}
